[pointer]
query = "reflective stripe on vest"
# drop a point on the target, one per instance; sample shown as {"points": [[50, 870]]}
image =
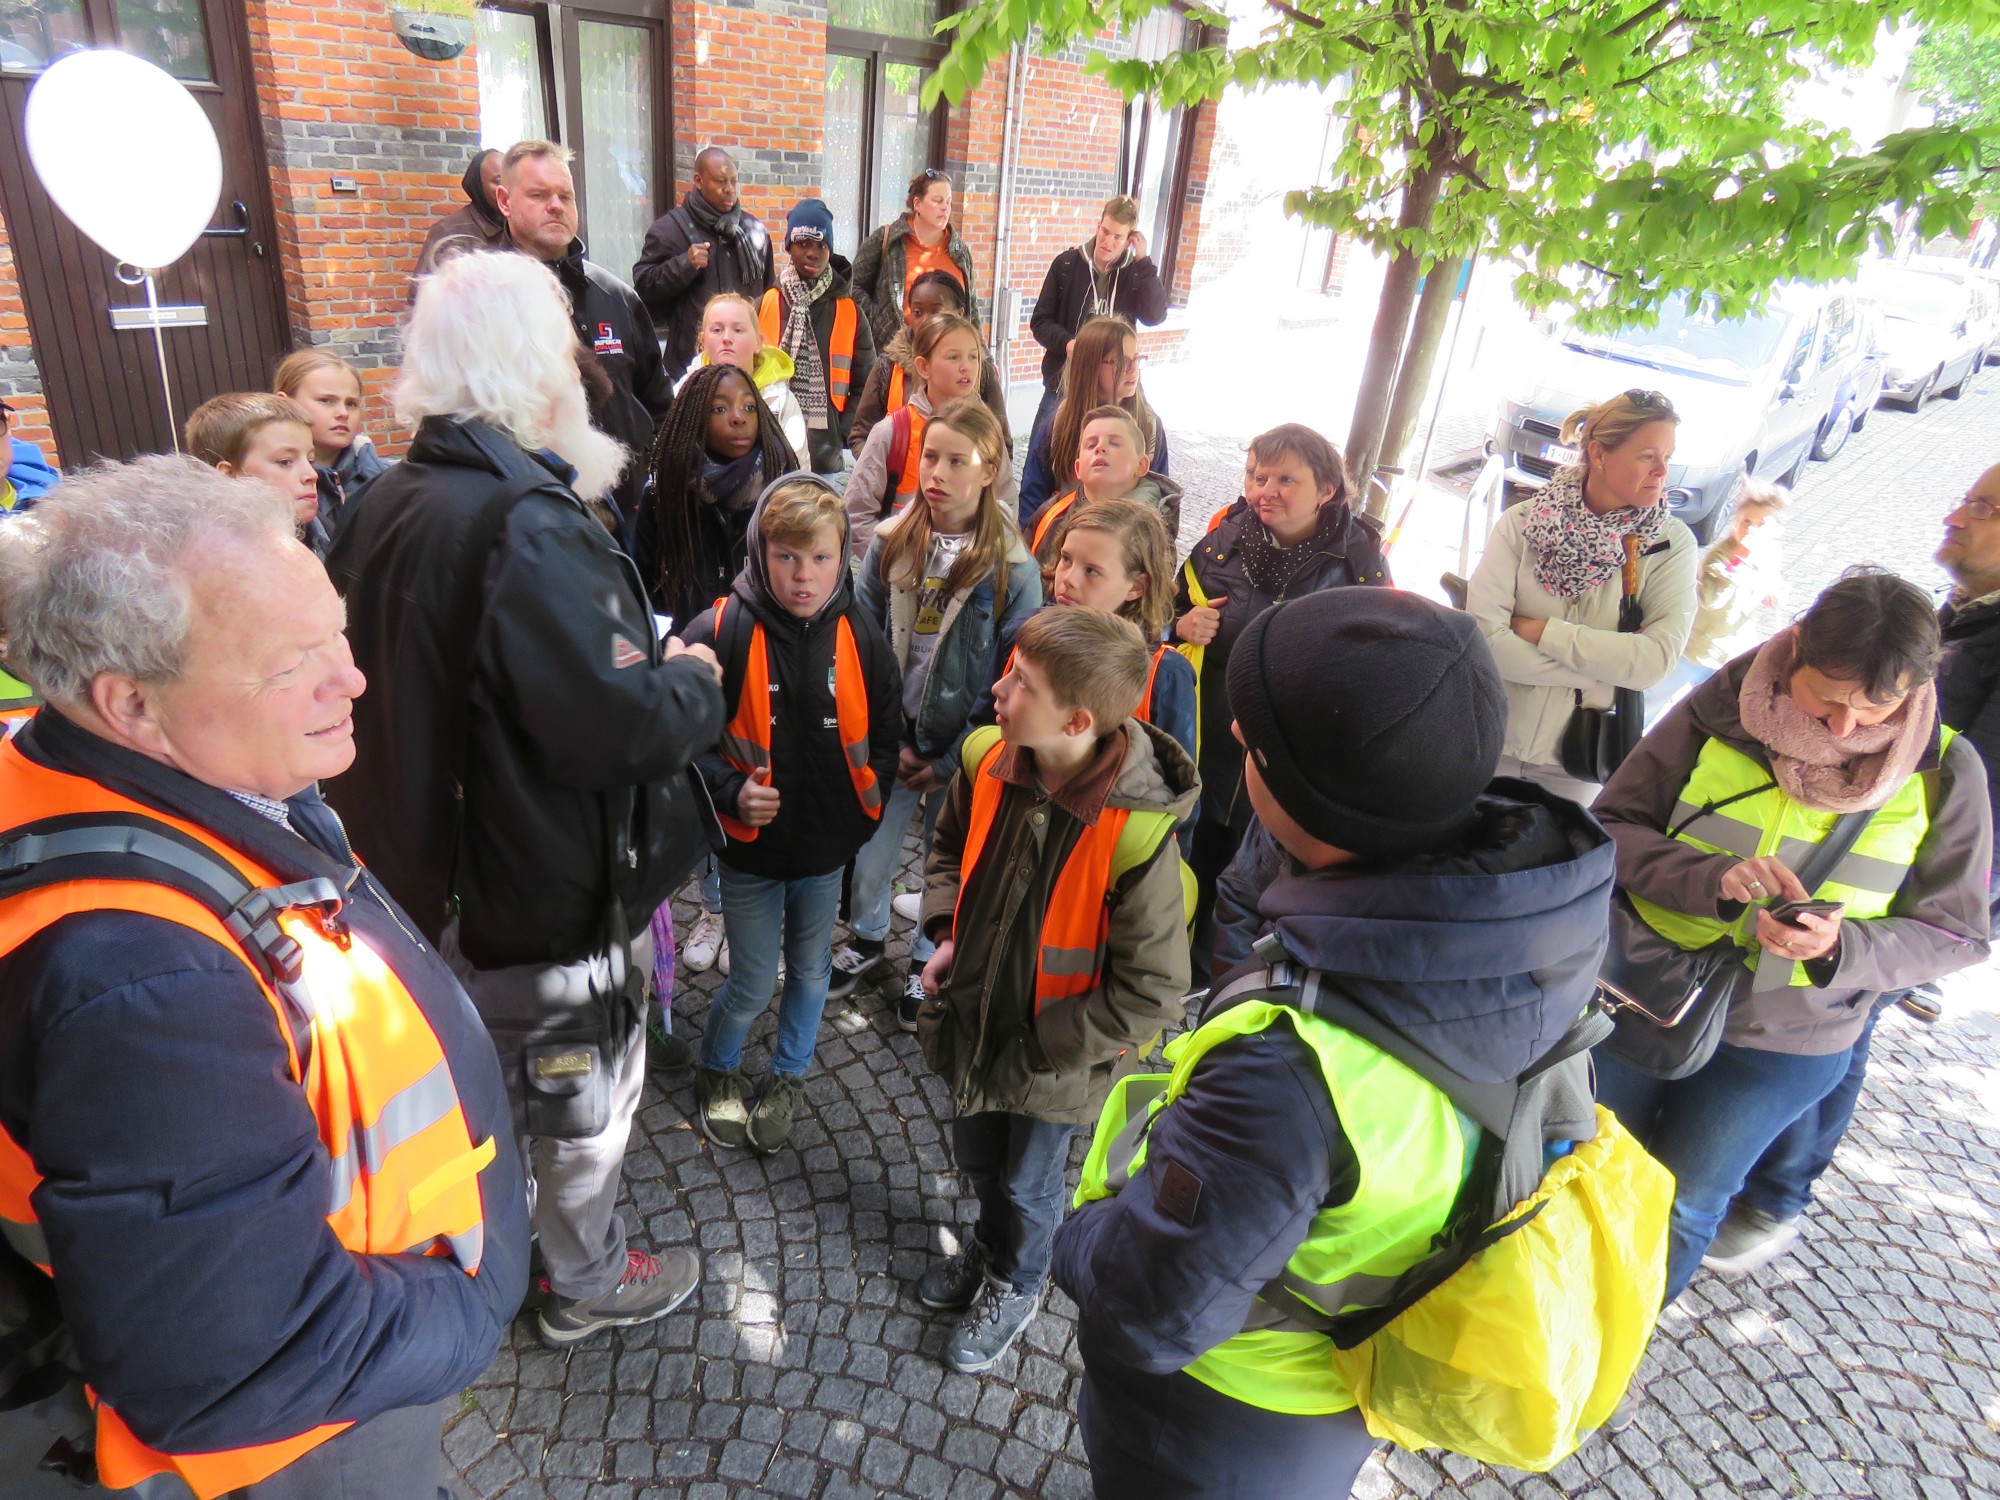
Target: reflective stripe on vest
{"points": [[1077, 925], [840, 348], [1771, 823], [1198, 597], [1410, 1145], [402, 1165], [18, 702], [746, 738]]}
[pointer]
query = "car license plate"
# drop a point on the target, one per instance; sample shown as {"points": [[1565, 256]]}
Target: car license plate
{"points": [[1556, 453]]}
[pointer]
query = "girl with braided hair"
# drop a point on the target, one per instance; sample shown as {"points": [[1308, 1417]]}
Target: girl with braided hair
{"points": [[716, 450]]}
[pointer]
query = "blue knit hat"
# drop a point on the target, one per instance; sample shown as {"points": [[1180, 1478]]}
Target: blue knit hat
{"points": [[810, 219]]}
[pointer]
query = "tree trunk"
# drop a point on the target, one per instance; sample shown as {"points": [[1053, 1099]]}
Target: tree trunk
{"points": [[1392, 321], [1413, 378]]}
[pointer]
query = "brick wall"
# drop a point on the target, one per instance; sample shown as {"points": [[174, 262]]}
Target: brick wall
{"points": [[341, 96], [752, 78], [20, 376]]}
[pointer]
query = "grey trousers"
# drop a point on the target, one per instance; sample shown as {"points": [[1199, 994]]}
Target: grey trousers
{"points": [[572, 1184], [396, 1456]]}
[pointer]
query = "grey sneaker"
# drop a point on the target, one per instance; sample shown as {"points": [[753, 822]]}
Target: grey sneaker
{"points": [[771, 1120], [666, 1054], [951, 1284], [996, 1318], [1925, 1002], [651, 1288], [1749, 1239], [725, 1119]]}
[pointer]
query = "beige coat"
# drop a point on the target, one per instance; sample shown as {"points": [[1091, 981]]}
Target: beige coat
{"points": [[1581, 648]]}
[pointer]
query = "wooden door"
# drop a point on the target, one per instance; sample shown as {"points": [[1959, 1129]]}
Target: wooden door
{"points": [[102, 383]]}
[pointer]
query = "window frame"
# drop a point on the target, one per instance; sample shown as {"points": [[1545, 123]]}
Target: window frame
{"points": [[1146, 115], [877, 51]]}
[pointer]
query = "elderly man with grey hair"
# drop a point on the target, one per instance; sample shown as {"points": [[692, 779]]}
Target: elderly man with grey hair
{"points": [[249, 1124], [521, 782]]}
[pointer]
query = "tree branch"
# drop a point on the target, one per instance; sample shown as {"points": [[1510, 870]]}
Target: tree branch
{"points": [[1639, 17], [1300, 16]]}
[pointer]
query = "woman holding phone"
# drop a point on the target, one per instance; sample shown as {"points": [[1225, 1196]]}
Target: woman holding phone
{"points": [[1715, 813]]}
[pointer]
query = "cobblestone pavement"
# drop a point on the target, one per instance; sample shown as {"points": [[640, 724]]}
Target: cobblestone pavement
{"points": [[1862, 1364]]}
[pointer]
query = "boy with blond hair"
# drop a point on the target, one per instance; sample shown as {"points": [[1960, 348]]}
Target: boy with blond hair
{"points": [[1055, 892], [261, 435]]}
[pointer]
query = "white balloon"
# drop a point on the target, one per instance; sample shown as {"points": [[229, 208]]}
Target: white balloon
{"points": [[127, 153]]}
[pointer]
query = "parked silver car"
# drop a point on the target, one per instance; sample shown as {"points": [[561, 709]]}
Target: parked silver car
{"points": [[1934, 329], [1755, 394]]}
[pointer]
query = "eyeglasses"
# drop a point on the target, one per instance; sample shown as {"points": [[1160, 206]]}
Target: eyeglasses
{"points": [[1649, 400], [932, 174], [1979, 510]]}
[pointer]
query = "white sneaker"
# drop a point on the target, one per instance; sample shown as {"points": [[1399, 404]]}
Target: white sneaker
{"points": [[722, 959], [703, 941], [909, 906]]}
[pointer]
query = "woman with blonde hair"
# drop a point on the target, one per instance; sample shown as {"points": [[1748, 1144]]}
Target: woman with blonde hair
{"points": [[1549, 590]]}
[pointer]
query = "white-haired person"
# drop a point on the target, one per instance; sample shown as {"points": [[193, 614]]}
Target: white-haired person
{"points": [[262, 1308], [520, 782]]}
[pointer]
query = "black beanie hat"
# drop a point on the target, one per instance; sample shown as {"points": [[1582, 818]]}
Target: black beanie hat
{"points": [[1375, 716]]}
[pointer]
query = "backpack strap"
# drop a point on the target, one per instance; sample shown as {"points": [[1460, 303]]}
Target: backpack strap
{"points": [[976, 745]]}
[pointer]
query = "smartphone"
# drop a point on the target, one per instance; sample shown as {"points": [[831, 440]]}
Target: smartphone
{"points": [[1788, 912]]}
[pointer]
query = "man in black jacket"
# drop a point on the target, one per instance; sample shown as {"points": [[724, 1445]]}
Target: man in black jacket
{"points": [[520, 782], [1108, 275], [704, 246], [630, 390], [477, 226]]}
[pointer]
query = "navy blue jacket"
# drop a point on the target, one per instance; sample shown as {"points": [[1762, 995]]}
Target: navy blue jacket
{"points": [[1483, 955], [185, 1189]]}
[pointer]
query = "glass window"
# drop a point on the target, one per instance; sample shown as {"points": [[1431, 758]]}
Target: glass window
{"points": [[846, 135], [615, 65], [906, 137], [512, 103], [167, 32], [916, 19], [34, 33]]}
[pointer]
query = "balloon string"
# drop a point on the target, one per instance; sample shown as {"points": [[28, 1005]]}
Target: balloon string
{"points": [[160, 348]]}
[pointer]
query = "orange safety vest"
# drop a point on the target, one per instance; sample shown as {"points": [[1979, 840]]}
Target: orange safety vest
{"points": [[1051, 513], [910, 449], [896, 398], [840, 348], [403, 1169], [1069, 959], [746, 738]]}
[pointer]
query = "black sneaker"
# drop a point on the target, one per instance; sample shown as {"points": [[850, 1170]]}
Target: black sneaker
{"points": [[1925, 1002], [997, 1317], [651, 1288], [771, 1121], [725, 1118], [911, 1001], [951, 1284], [853, 961], [666, 1054]]}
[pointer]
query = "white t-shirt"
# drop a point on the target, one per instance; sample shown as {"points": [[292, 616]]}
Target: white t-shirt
{"points": [[931, 599]]}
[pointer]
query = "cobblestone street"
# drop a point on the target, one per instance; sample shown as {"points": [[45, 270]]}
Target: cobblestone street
{"points": [[1863, 1364]]}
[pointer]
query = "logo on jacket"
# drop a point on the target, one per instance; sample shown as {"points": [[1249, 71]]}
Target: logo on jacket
{"points": [[624, 653], [607, 341]]}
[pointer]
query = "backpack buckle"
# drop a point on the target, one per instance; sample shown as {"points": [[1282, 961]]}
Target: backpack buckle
{"points": [[253, 922]]}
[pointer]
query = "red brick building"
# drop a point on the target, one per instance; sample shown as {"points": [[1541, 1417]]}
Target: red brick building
{"points": [[341, 147]]}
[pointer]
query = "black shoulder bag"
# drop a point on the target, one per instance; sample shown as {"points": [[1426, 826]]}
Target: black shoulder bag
{"points": [[1596, 741]]}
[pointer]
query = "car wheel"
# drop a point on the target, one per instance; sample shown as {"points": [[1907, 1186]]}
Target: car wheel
{"points": [[1833, 436], [1923, 392], [1790, 477], [1859, 418], [1957, 389]]}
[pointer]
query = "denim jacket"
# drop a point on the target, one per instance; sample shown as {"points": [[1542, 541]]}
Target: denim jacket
{"points": [[969, 641]]}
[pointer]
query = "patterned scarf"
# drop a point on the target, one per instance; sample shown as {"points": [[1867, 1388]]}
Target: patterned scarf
{"points": [[809, 377], [1576, 549], [1271, 568], [1811, 766]]}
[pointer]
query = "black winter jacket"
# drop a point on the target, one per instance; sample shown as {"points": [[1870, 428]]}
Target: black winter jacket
{"points": [[578, 734], [185, 1184], [612, 324], [676, 290], [1137, 295], [1354, 555], [1969, 689], [820, 825]]}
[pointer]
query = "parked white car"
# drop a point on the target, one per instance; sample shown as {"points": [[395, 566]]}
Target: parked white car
{"points": [[1934, 329]]}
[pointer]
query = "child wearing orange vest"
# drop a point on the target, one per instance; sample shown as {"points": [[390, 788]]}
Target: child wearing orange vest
{"points": [[812, 316], [949, 360], [1054, 890], [1110, 465], [800, 777]]}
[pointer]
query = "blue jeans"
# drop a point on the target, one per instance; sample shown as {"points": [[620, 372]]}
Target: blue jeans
{"points": [[711, 884], [757, 915], [1015, 1165], [1781, 1184], [875, 869], [1709, 1129]]}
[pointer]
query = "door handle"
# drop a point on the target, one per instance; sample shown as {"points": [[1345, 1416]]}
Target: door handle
{"points": [[241, 231]]}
